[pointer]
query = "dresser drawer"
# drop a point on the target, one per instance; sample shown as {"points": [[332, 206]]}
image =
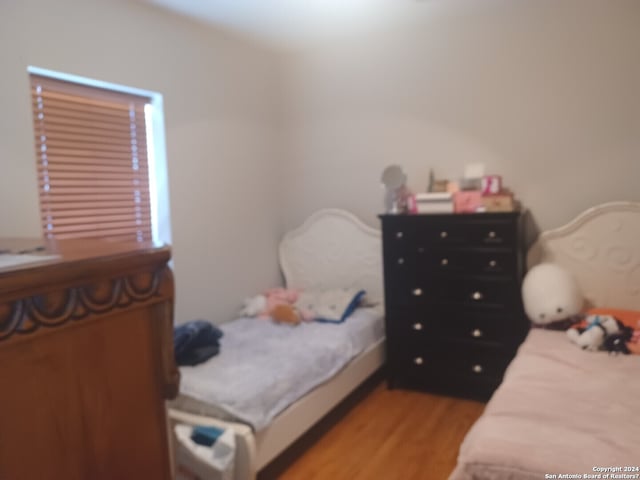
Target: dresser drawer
{"points": [[475, 387], [475, 294], [471, 233], [405, 232], [480, 329], [434, 261], [447, 261], [452, 359], [506, 329], [461, 294]]}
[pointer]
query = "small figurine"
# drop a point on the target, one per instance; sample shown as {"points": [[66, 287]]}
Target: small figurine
{"points": [[397, 194]]}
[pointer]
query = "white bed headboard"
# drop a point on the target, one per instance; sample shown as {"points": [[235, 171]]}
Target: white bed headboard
{"points": [[333, 249], [601, 247]]}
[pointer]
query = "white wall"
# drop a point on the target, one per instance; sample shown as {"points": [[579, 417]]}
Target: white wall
{"points": [[221, 98], [545, 92]]}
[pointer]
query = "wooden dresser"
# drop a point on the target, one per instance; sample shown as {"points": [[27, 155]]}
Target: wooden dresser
{"points": [[454, 316], [86, 362]]}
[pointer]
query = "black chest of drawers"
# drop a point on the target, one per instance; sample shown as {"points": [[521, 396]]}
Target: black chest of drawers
{"points": [[454, 315]]}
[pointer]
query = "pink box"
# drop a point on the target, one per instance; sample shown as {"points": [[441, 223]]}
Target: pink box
{"points": [[467, 201], [491, 184], [412, 205]]}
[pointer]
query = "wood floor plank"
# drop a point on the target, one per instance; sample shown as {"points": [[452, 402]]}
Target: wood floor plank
{"points": [[384, 434]]}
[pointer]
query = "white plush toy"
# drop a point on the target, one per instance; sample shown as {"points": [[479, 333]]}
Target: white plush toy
{"points": [[253, 306], [599, 327], [551, 296]]}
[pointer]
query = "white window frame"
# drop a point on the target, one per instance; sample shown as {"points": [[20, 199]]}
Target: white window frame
{"points": [[156, 146]]}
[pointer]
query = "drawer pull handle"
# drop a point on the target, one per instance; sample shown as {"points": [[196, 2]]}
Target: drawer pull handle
{"points": [[418, 361], [399, 235], [417, 292], [492, 234], [477, 333], [444, 262], [401, 261], [444, 234], [477, 296], [477, 369], [417, 326], [420, 249], [493, 263]]}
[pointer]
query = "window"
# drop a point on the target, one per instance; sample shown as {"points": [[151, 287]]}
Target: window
{"points": [[93, 161]]}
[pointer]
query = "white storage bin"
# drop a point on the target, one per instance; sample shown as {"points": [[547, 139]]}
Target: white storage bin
{"points": [[198, 462]]}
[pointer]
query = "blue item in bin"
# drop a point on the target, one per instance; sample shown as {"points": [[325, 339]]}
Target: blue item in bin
{"points": [[206, 436]]}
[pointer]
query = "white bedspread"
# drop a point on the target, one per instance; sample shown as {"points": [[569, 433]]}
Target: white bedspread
{"points": [[559, 410], [264, 367]]}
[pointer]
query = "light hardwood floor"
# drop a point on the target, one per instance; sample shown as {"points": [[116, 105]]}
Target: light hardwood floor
{"points": [[381, 434]]}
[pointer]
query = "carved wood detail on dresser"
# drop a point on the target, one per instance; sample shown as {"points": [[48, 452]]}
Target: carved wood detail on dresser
{"points": [[454, 316], [86, 362]]}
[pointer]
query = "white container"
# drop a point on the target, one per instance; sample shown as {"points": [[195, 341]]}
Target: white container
{"points": [[198, 462]]}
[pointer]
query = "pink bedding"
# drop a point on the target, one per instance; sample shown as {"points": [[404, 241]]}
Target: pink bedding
{"points": [[559, 410]]}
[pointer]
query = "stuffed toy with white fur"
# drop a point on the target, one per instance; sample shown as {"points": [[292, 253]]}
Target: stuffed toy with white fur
{"points": [[253, 306], [552, 300], [279, 304], [598, 329], [551, 297]]}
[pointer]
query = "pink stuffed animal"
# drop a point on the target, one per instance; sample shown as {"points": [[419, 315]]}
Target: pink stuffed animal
{"points": [[278, 296], [272, 300]]}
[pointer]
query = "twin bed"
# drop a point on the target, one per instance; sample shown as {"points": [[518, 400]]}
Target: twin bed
{"points": [[332, 249], [559, 410]]}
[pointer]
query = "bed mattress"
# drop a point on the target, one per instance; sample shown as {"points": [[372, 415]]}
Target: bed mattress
{"points": [[559, 410], [263, 367]]}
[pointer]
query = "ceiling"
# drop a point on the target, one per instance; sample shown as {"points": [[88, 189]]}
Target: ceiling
{"points": [[289, 23]]}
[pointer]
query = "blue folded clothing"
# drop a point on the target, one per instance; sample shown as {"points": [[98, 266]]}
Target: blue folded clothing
{"points": [[206, 436], [195, 342]]}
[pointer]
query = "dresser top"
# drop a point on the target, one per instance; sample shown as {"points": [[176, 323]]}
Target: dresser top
{"points": [[73, 260], [477, 216]]}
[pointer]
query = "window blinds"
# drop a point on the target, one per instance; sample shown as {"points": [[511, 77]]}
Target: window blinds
{"points": [[91, 151]]}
